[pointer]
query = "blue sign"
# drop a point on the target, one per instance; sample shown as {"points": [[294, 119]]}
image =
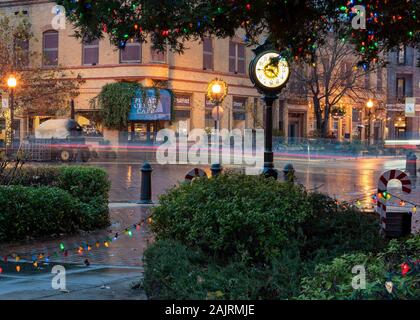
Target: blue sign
{"points": [[154, 108]]}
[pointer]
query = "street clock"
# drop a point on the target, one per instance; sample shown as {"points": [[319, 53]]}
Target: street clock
{"points": [[269, 71]]}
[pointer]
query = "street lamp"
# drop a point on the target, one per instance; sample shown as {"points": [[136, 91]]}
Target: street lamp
{"points": [[369, 106], [216, 92], [12, 83]]}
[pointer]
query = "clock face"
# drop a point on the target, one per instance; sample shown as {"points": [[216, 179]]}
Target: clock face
{"points": [[269, 73]]}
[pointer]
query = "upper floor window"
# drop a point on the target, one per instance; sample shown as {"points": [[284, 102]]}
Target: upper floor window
{"points": [[158, 56], [21, 51], [208, 54], [367, 81], [400, 88], [401, 55], [131, 53], [236, 57], [50, 48], [379, 80], [90, 53]]}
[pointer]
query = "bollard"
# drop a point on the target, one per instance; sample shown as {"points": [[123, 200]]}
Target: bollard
{"points": [[146, 184], [216, 169], [289, 173], [411, 164]]}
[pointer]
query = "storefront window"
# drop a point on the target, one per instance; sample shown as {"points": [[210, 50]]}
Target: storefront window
{"points": [[239, 112], [182, 113], [209, 121]]}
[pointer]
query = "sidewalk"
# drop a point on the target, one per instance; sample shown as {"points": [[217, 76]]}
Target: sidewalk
{"points": [[110, 275]]}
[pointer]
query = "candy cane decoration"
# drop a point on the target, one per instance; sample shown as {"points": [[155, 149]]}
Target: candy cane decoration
{"points": [[195, 173], [383, 187]]}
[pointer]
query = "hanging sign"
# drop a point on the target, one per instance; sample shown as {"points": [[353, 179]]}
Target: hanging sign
{"points": [[410, 107], [153, 107]]}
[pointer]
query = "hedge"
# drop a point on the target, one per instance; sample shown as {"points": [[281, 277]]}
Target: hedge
{"points": [[232, 215], [88, 184], [27, 212], [80, 192]]}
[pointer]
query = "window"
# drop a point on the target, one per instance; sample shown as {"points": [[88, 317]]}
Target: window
{"points": [[400, 88], [21, 47], [158, 56], [90, 53], [208, 54], [239, 112], [236, 57], [379, 80], [131, 53], [401, 55], [367, 81], [50, 48]]}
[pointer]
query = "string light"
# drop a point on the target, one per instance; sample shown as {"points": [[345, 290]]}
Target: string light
{"points": [[36, 258]]}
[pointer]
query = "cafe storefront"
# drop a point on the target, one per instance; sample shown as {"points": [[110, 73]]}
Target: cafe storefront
{"points": [[151, 111]]}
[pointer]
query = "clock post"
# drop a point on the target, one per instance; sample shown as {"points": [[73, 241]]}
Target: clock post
{"points": [[269, 73]]}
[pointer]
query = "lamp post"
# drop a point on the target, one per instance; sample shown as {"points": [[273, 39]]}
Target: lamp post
{"points": [[369, 106], [217, 91], [11, 83]]}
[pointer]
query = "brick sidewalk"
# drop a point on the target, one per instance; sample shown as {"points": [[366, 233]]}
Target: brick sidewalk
{"points": [[125, 251]]}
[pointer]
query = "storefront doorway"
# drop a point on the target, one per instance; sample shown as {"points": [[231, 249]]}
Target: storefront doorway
{"points": [[144, 132]]}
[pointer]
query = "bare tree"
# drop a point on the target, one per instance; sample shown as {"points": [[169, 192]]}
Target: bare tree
{"points": [[40, 91], [335, 75]]}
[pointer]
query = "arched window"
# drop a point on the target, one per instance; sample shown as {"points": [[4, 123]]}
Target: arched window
{"points": [[90, 54], [50, 48]]}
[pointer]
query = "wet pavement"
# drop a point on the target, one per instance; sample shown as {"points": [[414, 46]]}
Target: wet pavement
{"points": [[111, 269], [345, 179]]}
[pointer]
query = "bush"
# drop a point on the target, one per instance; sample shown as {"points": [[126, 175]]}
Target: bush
{"points": [[87, 186], [334, 280], [246, 237], [32, 212], [232, 215], [337, 228]]}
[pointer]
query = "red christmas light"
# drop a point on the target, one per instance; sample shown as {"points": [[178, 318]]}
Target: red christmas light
{"points": [[405, 268]]}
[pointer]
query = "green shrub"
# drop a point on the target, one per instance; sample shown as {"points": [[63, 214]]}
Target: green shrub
{"points": [[38, 176], [233, 215], [246, 237], [174, 271], [336, 228], [33, 212], [87, 186], [334, 280], [85, 183]]}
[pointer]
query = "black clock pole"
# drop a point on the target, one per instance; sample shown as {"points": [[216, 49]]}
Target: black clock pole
{"points": [[268, 170]]}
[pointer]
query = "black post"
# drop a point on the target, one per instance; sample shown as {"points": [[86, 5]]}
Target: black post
{"points": [[12, 119], [72, 110], [216, 169], [146, 184], [268, 170]]}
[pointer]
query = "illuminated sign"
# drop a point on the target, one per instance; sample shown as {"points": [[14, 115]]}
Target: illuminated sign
{"points": [[153, 108]]}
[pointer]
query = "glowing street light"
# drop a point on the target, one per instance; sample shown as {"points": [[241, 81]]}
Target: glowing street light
{"points": [[12, 82], [217, 91]]}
